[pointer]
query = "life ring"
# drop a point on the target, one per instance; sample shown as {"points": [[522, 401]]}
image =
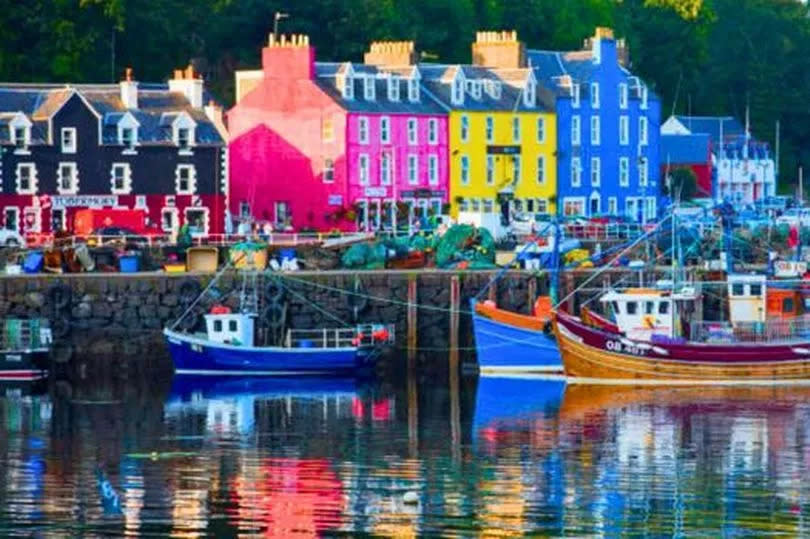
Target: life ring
{"points": [[274, 315], [60, 326], [273, 290], [59, 295], [189, 290]]}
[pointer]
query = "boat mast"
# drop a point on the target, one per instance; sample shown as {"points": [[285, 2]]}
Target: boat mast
{"points": [[554, 284]]}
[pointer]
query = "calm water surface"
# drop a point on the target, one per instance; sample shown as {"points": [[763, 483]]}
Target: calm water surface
{"points": [[286, 458]]}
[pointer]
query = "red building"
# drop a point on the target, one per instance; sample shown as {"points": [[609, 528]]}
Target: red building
{"points": [[688, 151], [153, 147]]}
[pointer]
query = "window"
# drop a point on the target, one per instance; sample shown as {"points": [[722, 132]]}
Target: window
{"points": [[185, 180], [413, 169], [476, 205], [362, 129], [643, 172], [282, 213], [328, 170], [465, 128], [464, 205], [67, 179], [632, 307], [516, 129], [576, 172], [787, 305], [385, 130], [490, 170], [385, 168], [529, 93], [327, 130], [413, 90], [128, 138], [21, 137], [542, 205], [32, 219], [458, 91], [624, 171], [644, 96], [573, 206], [465, 170], [642, 131], [595, 95], [541, 169], [622, 95], [596, 172], [433, 131], [348, 87], [197, 221], [58, 219], [515, 169], [575, 135], [369, 88], [615, 305], [184, 138], [649, 307], [595, 130], [489, 205], [433, 170], [168, 219], [11, 218], [362, 165], [217, 326], [575, 96], [490, 128], [232, 326], [26, 179], [413, 137], [663, 307], [68, 140], [613, 206], [244, 209], [121, 179], [393, 88], [624, 130], [756, 289], [737, 289], [541, 130], [596, 204]]}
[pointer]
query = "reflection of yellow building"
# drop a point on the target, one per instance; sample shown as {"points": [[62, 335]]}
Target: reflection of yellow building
{"points": [[504, 508]]}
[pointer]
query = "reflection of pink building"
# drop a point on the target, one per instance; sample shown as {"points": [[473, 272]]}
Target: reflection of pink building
{"points": [[336, 145]]}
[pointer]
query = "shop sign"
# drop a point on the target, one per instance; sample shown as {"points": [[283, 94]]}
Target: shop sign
{"points": [[336, 200], [84, 201], [503, 150], [375, 191]]}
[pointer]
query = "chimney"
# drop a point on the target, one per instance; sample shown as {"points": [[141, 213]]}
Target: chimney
{"points": [[289, 57], [187, 82], [622, 52], [603, 46], [129, 90], [498, 49], [214, 113], [391, 53]]}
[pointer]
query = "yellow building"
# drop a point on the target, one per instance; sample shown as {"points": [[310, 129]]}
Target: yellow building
{"points": [[503, 131]]}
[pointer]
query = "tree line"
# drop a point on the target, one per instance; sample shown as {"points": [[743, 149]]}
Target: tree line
{"points": [[700, 56]]}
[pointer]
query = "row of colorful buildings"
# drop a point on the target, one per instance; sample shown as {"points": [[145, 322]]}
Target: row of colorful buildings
{"points": [[371, 145]]}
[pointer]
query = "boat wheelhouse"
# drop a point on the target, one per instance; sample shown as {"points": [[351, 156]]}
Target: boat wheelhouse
{"points": [[649, 313]]}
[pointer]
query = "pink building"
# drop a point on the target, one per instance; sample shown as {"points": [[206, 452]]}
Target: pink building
{"points": [[336, 145]]}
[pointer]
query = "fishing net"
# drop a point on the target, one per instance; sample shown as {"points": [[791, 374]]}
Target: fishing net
{"points": [[464, 246]]}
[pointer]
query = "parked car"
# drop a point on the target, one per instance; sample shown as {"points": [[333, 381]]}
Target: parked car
{"points": [[11, 238], [114, 235]]}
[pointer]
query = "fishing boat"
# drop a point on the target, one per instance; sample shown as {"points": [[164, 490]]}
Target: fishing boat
{"points": [[662, 338], [25, 347], [229, 344]]}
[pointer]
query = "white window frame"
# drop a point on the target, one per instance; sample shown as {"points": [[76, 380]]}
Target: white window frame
{"points": [[386, 168], [33, 180], [393, 88], [644, 97], [613, 206], [192, 179], [369, 88], [574, 201], [541, 130], [175, 218], [624, 172], [517, 169], [413, 90], [490, 172], [287, 212], [489, 129], [464, 172], [457, 90], [433, 131], [385, 130], [36, 227], [464, 205], [433, 169], [348, 87], [515, 128], [362, 130], [596, 172], [576, 130], [598, 198], [74, 187], [541, 206], [363, 175], [72, 143], [20, 121], [488, 205], [624, 130], [328, 175], [541, 170], [184, 122], [413, 132], [643, 135], [127, 179], [413, 169], [596, 130], [206, 219], [464, 128], [594, 95], [576, 172], [622, 95], [575, 95], [530, 93], [16, 211]]}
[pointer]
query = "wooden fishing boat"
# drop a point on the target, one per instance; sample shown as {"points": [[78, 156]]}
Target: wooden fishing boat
{"points": [[652, 344]]}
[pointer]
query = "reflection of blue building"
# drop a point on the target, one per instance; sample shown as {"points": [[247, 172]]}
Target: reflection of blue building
{"points": [[607, 130]]}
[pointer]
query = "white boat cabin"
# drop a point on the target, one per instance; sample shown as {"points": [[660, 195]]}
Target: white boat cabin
{"points": [[747, 296], [641, 313], [230, 328]]}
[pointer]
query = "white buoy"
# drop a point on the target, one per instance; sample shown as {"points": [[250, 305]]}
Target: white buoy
{"points": [[410, 497]]}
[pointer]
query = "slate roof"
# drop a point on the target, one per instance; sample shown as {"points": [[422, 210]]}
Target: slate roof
{"points": [[684, 149], [40, 101], [710, 125]]}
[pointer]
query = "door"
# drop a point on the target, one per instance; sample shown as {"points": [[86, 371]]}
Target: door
{"points": [[57, 220], [11, 219]]}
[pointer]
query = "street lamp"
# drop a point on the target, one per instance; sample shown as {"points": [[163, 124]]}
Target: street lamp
{"points": [[279, 15]]}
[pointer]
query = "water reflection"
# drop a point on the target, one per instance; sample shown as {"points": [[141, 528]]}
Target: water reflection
{"points": [[322, 456]]}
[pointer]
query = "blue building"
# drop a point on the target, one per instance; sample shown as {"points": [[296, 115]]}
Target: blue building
{"points": [[607, 128]]}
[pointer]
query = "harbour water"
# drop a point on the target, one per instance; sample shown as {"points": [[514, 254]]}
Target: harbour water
{"points": [[402, 455]]}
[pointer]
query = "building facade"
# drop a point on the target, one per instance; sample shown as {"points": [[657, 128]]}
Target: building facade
{"points": [[607, 130], [743, 170], [154, 147], [503, 132], [343, 146]]}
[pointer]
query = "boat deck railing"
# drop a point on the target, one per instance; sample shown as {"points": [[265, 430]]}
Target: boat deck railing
{"points": [[346, 337], [770, 331]]}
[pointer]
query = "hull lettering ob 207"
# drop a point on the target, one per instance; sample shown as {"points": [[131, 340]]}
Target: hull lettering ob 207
{"points": [[620, 347]]}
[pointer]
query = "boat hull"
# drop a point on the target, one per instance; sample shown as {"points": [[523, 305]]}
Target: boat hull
{"points": [[193, 355], [24, 365], [506, 348], [589, 354]]}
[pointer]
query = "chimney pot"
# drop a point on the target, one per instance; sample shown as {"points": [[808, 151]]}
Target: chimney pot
{"points": [[128, 74]]}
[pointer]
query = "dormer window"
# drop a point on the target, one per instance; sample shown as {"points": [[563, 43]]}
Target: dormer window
{"points": [[68, 140], [530, 94], [413, 90], [575, 96], [393, 88], [457, 96], [20, 137], [184, 137], [348, 87], [644, 97], [20, 132], [476, 89], [369, 88], [128, 133], [128, 137], [494, 89], [183, 128]]}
